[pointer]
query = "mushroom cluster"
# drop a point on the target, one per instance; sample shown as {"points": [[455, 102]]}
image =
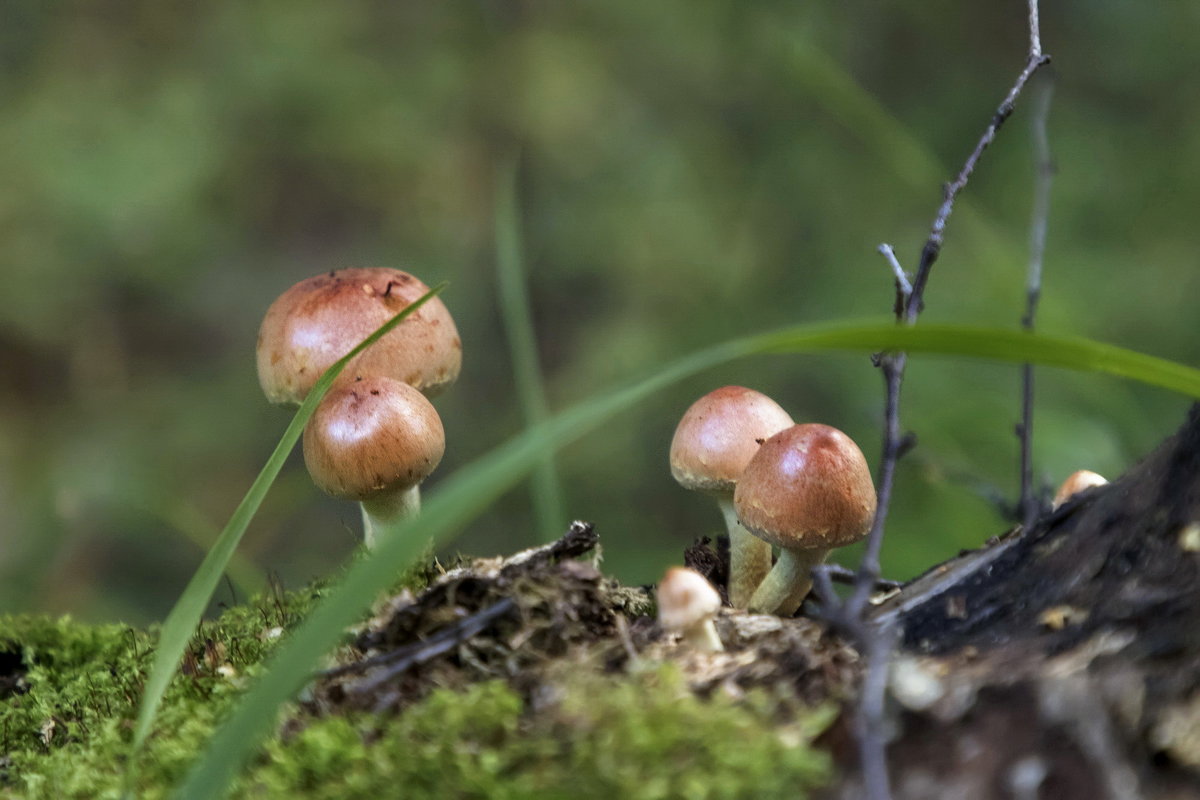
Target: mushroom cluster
{"points": [[804, 489], [375, 436], [713, 443]]}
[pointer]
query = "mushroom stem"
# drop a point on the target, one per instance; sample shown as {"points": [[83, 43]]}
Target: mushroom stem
{"points": [[381, 512], [703, 637], [749, 556], [788, 582]]}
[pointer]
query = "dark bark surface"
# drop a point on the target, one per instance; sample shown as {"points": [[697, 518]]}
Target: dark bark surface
{"points": [[1061, 662]]}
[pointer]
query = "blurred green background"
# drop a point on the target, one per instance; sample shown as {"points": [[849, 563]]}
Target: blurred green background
{"points": [[690, 171]]}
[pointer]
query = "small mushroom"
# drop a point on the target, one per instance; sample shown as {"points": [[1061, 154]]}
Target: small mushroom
{"points": [[374, 440], [806, 491], [687, 604], [320, 319], [1076, 483], [713, 443]]}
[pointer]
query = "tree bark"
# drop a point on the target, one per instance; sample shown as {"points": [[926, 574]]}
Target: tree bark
{"points": [[1059, 662]]}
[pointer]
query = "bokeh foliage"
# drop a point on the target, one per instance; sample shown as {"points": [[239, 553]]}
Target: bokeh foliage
{"points": [[690, 171]]}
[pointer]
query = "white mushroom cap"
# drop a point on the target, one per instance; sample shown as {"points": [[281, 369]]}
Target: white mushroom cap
{"points": [[322, 318], [685, 599]]}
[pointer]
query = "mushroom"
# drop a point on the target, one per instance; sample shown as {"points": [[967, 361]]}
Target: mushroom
{"points": [[374, 440], [1076, 483], [320, 319], [687, 604], [807, 491], [715, 439]]}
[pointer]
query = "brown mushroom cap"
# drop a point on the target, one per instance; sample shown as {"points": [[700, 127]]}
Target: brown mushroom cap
{"points": [[685, 599], [372, 436], [719, 434], [1075, 483], [320, 319], [807, 487]]}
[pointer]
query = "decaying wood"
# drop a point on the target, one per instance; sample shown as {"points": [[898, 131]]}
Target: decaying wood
{"points": [[1062, 661]]}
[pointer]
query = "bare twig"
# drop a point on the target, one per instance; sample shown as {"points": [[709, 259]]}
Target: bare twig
{"points": [[840, 574], [1029, 504], [903, 285], [401, 659], [875, 643], [933, 245]]}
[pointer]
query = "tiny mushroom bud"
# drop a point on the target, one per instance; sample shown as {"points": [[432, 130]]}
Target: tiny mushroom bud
{"points": [[374, 440], [1076, 483], [715, 439], [320, 319], [687, 604], [807, 491]]}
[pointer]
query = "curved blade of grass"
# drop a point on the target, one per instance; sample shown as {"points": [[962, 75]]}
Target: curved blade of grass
{"points": [[546, 488], [998, 344], [472, 488], [181, 622]]}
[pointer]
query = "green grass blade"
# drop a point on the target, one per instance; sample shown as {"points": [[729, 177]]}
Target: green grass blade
{"points": [[546, 488], [999, 344], [181, 622], [470, 490]]}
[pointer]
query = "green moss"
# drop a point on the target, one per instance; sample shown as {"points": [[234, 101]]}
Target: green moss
{"points": [[644, 736], [65, 726]]}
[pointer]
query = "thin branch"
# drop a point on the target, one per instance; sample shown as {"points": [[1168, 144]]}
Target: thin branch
{"points": [[875, 643], [840, 574], [903, 285], [870, 715], [933, 245], [1029, 504]]}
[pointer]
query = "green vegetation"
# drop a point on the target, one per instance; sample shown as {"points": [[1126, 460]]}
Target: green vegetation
{"points": [[66, 719], [66, 727], [641, 737]]}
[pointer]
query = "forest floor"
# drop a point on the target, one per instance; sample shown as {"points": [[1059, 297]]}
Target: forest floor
{"points": [[1062, 661]]}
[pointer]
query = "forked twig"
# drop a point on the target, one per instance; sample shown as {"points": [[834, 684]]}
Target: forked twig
{"points": [[874, 642]]}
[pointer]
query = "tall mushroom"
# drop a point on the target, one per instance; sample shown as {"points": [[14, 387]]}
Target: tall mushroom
{"points": [[320, 319], [713, 443], [807, 490], [374, 440]]}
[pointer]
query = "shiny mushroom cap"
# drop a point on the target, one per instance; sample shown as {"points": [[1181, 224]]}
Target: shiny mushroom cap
{"points": [[719, 434], [1076, 483], [685, 599], [320, 319], [372, 436], [808, 487]]}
